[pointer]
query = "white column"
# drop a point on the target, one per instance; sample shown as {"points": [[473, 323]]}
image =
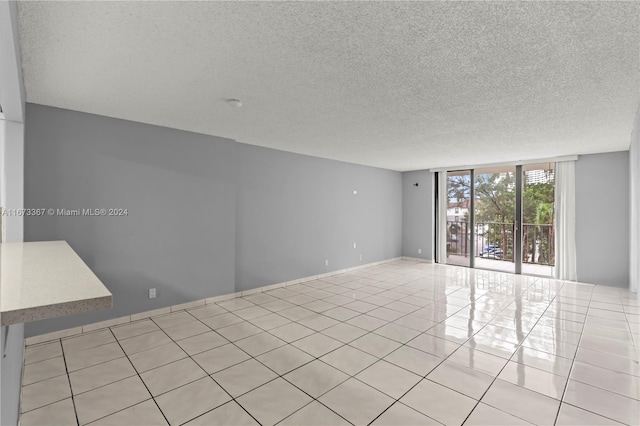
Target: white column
{"points": [[13, 179], [634, 204]]}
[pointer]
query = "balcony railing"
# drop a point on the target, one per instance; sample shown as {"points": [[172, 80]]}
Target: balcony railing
{"points": [[495, 240]]}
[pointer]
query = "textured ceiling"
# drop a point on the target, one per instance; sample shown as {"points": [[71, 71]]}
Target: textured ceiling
{"points": [[399, 85]]}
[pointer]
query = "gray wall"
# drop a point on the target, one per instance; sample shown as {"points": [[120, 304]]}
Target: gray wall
{"points": [[295, 212], [207, 216], [602, 218], [418, 214]]}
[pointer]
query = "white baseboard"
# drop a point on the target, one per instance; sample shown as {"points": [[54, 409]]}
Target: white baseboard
{"points": [[201, 302], [417, 259]]}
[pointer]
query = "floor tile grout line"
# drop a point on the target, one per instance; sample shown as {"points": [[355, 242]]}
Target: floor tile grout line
{"points": [[635, 343], [425, 376], [401, 403], [298, 388], [519, 345], [125, 354], [278, 375], [125, 408], [47, 378], [311, 402], [555, 355], [139, 375], [69, 382], [119, 410], [302, 283], [350, 376], [190, 356], [81, 393], [86, 349], [566, 385], [21, 413], [139, 378], [107, 384], [394, 287], [573, 361], [397, 400], [226, 368], [318, 358], [73, 399], [123, 351], [605, 389], [136, 335], [411, 313], [594, 413], [234, 399], [435, 367]]}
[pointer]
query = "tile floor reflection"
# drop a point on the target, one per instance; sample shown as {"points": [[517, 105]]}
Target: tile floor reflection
{"points": [[402, 343]]}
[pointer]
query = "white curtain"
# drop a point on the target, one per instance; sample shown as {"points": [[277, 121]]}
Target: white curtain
{"points": [[634, 167], [441, 231], [565, 221]]}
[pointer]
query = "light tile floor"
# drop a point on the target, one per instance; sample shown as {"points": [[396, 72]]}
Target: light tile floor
{"points": [[403, 343]]}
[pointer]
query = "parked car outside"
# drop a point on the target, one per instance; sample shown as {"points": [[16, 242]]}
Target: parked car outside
{"points": [[492, 251]]}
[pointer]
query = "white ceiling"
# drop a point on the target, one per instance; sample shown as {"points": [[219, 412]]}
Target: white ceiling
{"points": [[398, 85]]}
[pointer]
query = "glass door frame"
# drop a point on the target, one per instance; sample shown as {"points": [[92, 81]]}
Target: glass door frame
{"points": [[517, 252], [517, 249], [472, 218], [472, 243]]}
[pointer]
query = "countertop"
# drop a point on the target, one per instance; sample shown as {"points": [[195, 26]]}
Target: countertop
{"points": [[40, 280]]}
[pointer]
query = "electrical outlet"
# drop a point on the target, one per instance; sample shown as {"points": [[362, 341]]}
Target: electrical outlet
{"points": [[360, 257], [354, 245], [419, 251], [326, 262], [152, 293]]}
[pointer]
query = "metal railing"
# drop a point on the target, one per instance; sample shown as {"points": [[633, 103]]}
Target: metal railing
{"points": [[537, 244], [495, 240]]}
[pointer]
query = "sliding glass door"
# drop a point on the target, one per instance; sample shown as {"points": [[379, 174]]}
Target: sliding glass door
{"points": [[495, 218], [538, 250], [459, 188], [501, 218]]}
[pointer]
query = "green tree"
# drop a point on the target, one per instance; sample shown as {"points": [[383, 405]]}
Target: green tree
{"points": [[495, 206], [538, 212], [458, 188], [534, 197]]}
